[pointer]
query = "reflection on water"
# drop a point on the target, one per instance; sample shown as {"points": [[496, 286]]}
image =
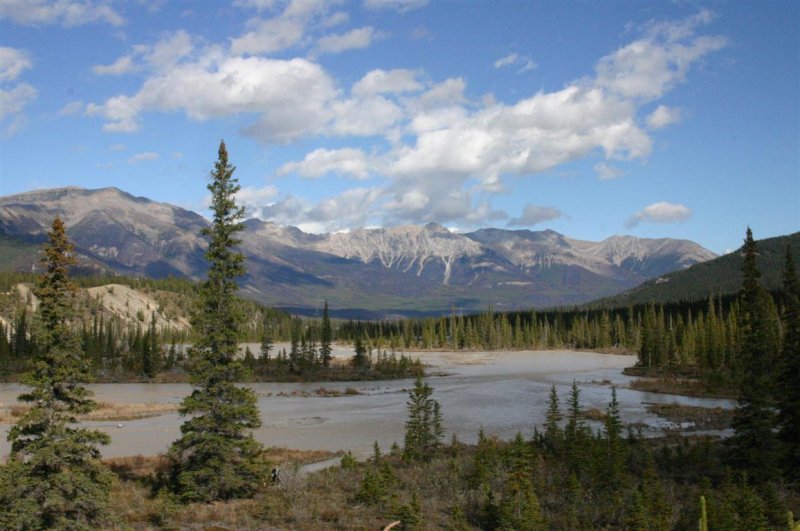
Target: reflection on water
{"points": [[503, 392]]}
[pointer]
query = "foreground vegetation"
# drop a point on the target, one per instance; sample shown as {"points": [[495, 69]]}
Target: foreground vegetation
{"points": [[566, 477]]}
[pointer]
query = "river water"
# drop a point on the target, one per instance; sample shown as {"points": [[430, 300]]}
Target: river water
{"points": [[503, 392]]}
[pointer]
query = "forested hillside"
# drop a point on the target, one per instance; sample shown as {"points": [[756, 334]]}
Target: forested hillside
{"points": [[720, 276]]}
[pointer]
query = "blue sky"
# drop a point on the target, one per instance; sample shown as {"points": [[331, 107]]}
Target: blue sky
{"points": [[656, 119]]}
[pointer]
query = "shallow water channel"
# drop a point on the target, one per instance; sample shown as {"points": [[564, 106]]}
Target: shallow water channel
{"points": [[503, 392]]}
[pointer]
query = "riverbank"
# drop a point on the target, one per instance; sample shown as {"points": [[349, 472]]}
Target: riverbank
{"points": [[499, 392]]}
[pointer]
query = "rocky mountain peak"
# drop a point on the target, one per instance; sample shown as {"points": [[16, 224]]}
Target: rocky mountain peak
{"points": [[410, 266]]}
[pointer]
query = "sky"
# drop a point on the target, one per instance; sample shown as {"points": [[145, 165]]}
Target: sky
{"points": [[655, 119]]}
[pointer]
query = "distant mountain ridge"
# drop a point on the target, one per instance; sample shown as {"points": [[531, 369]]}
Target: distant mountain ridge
{"points": [[720, 276], [401, 270]]}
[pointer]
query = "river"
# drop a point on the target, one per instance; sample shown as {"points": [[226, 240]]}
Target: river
{"points": [[503, 392]]}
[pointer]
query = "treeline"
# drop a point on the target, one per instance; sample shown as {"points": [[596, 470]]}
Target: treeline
{"points": [[141, 346], [310, 356]]}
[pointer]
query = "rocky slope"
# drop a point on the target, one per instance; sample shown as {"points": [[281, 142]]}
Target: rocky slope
{"points": [[400, 270]]}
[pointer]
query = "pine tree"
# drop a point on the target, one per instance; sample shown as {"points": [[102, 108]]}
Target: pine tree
{"points": [[552, 431], [326, 336], [360, 359], [54, 477], [424, 425], [519, 509], [615, 451], [266, 344], [217, 457], [754, 445], [789, 375]]}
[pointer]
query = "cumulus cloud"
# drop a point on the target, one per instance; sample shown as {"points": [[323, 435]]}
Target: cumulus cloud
{"points": [[663, 116], [607, 172], [345, 162], [662, 212], [161, 56], [292, 96], [65, 12], [352, 208], [445, 153], [649, 67], [288, 211], [280, 32], [13, 62], [352, 40], [387, 82], [147, 156], [253, 199], [533, 215]]}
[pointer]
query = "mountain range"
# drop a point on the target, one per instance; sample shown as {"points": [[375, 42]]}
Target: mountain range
{"points": [[367, 273]]}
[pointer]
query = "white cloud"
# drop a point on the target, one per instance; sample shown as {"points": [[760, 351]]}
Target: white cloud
{"points": [[72, 108], [336, 19], [352, 40], [253, 199], [663, 116], [533, 215], [147, 156], [649, 67], [292, 97], [506, 61], [68, 13], [446, 153], [350, 209], [523, 63], [123, 65], [14, 97], [288, 211], [346, 162], [14, 100], [607, 172], [662, 212], [401, 6], [117, 147], [271, 36], [13, 62], [167, 52], [364, 117], [387, 82], [280, 32]]}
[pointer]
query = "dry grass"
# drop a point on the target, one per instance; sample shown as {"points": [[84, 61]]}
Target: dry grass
{"points": [[10, 413], [703, 418], [319, 391], [594, 414], [680, 386]]}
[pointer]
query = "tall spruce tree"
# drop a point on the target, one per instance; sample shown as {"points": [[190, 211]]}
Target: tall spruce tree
{"points": [[754, 445], [789, 375], [217, 457], [326, 336], [553, 433], [54, 478], [424, 424]]}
